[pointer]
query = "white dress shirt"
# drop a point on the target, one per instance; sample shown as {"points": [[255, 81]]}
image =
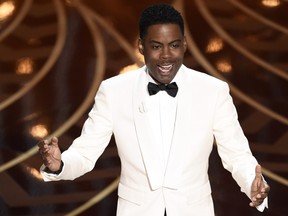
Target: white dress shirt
{"points": [[162, 113]]}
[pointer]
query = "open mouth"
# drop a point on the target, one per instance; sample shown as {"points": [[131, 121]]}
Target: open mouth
{"points": [[165, 68]]}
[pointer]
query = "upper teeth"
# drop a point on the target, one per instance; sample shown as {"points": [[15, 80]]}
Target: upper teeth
{"points": [[166, 66]]}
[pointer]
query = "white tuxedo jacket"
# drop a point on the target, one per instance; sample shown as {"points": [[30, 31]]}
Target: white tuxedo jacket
{"points": [[205, 112]]}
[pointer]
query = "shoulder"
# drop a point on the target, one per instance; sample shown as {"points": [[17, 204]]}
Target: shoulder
{"points": [[124, 79], [201, 79], [123, 83]]}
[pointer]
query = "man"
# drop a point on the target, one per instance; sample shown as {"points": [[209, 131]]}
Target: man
{"points": [[165, 133]]}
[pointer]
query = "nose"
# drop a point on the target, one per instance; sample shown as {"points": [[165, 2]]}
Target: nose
{"points": [[165, 54]]}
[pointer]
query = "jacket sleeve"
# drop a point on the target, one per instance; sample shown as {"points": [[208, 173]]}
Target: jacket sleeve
{"points": [[82, 155], [232, 145]]}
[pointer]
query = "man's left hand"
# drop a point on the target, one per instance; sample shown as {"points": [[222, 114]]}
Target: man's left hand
{"points": [[259, 189]]}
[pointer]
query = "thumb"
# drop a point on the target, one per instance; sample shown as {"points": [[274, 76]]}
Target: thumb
{"points": [[257, 180], [258, 172], [54, 141]]}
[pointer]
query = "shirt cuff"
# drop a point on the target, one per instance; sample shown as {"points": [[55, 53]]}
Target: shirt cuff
{"points": [[47, 170], [263, 205]]}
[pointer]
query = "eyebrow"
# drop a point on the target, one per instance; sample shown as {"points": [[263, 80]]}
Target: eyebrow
{"points": [[154, 41]]}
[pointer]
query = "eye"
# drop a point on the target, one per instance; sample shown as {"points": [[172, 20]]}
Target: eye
{"points": [[175, 45], [156, 46]]}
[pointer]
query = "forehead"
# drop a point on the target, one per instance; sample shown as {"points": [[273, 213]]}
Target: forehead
{"points": [[164, 32]]}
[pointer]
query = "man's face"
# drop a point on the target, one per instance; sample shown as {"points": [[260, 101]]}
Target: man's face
{"points": [[163, 49]]}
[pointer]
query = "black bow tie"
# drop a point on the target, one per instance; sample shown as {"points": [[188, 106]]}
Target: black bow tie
{"points": [[171, 88]]}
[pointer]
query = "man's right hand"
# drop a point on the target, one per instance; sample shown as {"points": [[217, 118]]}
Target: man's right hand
{"points": [[50, 153]]}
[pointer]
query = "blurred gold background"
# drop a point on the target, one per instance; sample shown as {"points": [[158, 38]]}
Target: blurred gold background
{"points": [[54, 54]]}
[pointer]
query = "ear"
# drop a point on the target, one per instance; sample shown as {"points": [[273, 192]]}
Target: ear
{"points": [[140, 46], [185, 44]]}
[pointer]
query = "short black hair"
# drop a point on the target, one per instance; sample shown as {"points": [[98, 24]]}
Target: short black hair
{"points": [[159, 14]]}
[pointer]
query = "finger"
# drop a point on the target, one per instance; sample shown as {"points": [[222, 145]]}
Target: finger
{"points": [[258, 181], [42, 143], [258, 171], [43, 146], [54, 141], [266, 188], [261, 196], [257, 200], [255, 203], [47, 146]]}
